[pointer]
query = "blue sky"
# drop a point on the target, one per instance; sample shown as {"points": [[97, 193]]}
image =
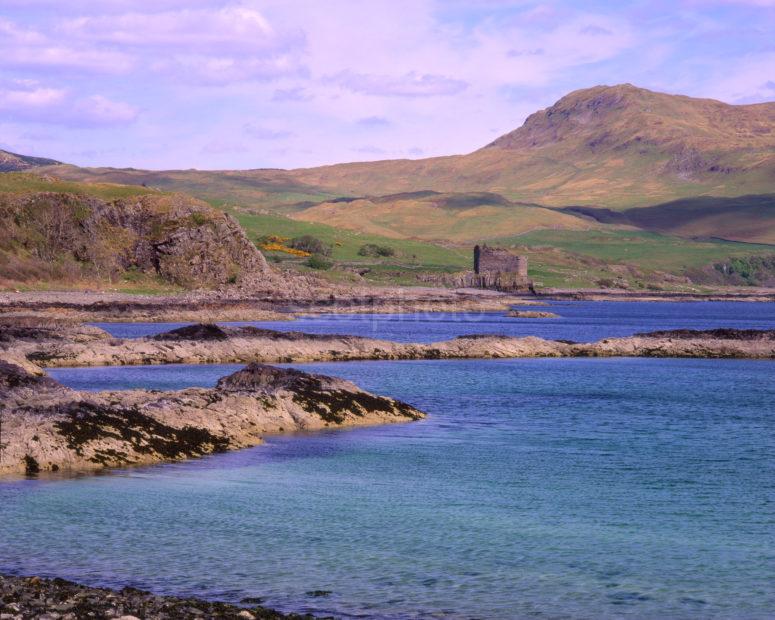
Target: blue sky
{"points": [[292, 83]]}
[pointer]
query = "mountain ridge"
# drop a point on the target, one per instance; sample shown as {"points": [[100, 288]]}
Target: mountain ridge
{"points": [[613, 147]]}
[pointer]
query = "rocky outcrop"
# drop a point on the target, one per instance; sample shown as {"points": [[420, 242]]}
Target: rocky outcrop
{"points": [[222, 345], [48, 427], [179, 239], [281, 301], [723, 333], [531, 314], [24, 598]]}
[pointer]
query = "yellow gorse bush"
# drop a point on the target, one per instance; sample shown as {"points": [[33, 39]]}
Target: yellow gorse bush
{"points": [[274, 246]]}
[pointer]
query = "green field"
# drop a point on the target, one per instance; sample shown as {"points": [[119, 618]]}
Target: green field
{"points": [[645, 249], [411, 256], [579, 259]]}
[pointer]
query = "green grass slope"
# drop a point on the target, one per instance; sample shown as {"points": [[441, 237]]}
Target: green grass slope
{"points": [[456, 217], [412, 257]]}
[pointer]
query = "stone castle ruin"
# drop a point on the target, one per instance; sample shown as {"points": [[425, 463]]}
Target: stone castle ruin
{"points": [[500, 269], [498, 260], [494, 268]]}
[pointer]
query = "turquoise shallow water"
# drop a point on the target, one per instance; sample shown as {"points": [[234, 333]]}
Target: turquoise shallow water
{"points": [[549, 488]]}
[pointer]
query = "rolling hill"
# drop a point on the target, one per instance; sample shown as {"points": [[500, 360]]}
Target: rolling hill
{"points": [[743, 218], [13, 162], [617, 147], [458, 217], [608, 147]]}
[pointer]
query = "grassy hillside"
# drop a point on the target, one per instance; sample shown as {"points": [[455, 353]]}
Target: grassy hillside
{"points": [[584, 258], [612, 146], [617, 147], [23, 182], [411, 256], [13, 162], [591, 258], [457, 217], [742, 218]]}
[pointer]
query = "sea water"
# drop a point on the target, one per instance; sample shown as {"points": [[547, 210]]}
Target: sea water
{"points": [[583, 321], [548, 488]]}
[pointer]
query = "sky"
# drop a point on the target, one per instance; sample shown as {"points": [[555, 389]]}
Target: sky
{"points": [[216, 84]]}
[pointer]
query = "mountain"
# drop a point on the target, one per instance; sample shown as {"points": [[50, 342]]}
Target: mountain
{"points": [[610, 147], [13, 162]]}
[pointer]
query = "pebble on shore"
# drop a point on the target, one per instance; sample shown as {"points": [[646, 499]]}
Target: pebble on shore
{"points": [[25, 598]]}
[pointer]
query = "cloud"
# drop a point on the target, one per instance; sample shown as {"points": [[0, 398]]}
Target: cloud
{"points": [[374, 121], [28, 48], [225, 70], [265, 133], [369, 149], [223, 147], [99, 110], [594, 29], [31, 100], [516, 53], [292, 94], [211, 46], [57, 106], [754, 3], [408, 85]]}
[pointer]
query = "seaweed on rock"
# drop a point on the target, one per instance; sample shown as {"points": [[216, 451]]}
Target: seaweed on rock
{"points": [[86, 423]]}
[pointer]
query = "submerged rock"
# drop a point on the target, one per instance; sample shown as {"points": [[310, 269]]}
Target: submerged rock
{"points": [[531, 314]]}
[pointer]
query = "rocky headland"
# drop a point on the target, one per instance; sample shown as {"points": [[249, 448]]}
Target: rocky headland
{"points": [[49, 427], [27, 598]]}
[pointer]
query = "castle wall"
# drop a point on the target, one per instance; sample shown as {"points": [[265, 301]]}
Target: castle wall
{"points": [[489, 260]]}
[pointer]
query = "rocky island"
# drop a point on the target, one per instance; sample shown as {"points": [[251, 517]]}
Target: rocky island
{"points": [[56, 345], [49, 427]]}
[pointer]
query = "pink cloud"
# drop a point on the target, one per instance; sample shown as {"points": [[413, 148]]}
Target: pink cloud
{"points": [[408, 85], [59, 107]]}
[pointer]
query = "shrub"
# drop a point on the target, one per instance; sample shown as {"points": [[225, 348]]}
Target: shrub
{"points": [[308, 243], [318, 262], [372, 249], [198, 219]]}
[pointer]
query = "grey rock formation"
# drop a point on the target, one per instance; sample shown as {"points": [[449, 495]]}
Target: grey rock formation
{"points": [[49, 427]]}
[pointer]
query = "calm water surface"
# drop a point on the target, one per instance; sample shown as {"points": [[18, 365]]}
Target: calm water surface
{"points": [[551, 488], [579, 320]]}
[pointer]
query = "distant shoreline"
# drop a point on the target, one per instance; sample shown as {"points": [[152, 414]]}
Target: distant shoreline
{"points": [[225, 306]]}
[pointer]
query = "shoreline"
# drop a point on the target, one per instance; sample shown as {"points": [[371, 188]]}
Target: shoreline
{"points": [[234, 305], [23, 597], [54, 345], [48, 427]]}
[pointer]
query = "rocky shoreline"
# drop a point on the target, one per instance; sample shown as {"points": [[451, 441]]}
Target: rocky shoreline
{"points": [[35, 347], [28, 598], [48, 427], [234, 305]]}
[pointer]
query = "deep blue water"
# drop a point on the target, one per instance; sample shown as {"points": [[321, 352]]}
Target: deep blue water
{"points": [[550, 488], [579, 320]]}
